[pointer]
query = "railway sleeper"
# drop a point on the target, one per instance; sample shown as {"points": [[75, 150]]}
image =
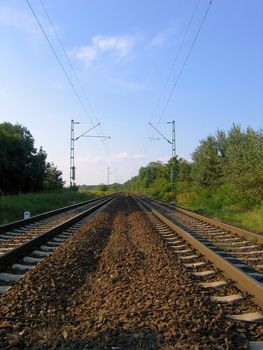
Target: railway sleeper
{"points": [[208, 273]]}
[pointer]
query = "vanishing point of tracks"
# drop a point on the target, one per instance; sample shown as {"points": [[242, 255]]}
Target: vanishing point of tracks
{"points": [[138, 275]]}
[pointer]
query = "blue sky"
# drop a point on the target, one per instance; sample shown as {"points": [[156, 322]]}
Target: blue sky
{"points": [[123, 52]]}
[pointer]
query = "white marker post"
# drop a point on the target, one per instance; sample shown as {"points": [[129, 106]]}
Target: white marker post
{"points": [[27, 215]]}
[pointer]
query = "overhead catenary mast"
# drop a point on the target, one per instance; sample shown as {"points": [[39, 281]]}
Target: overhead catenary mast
{"points": [[108, 175], [173, 169], [72, 148]]}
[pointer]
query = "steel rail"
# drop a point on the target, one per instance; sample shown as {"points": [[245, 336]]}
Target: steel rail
{"points": [[231, 228], [23, 222], [20, 251], [243, 281]]}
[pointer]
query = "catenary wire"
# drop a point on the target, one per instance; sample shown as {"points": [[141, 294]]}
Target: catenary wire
{"points": [[60, 63], [76, 76], [176, 57], [185, 62], [70, 63], [63, 68]]}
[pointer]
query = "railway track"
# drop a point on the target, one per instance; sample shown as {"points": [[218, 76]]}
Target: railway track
{"points": [[19, 232], [200, 241], [25, 243], [123, 281]]}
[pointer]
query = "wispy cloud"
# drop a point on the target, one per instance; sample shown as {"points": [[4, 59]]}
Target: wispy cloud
{"points": [[17, 19], [121, 155], [115, 157], [164, 36], [116, 46], [23, 21], [138, 156], [58, 86], [129, 85]]}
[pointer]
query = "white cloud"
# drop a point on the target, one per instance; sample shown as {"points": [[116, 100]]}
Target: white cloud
{"points": [[17, 19], [138, 156], [117, 46], [121, 45], [115, 157], [87, 54], [158, 40], [121, 155], [23, 21], [58, 86], [163, 36], [129, 85]]}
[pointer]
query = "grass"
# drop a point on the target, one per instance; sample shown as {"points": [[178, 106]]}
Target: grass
{"points": [[221, 204], [12, 207], [250, 219]]}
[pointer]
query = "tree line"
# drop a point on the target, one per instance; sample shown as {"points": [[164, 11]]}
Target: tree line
{"points": [[24, 168], [226, 167]]}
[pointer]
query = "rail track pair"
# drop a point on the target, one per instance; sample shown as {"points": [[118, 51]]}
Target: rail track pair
{"points": [[198, 241]]}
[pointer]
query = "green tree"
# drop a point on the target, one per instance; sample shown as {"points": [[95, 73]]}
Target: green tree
{"points": [[149, 173], [17, 156], [34, 180], [52, 178], [244, 162], [184, 171], [102, 187], [207, 169], [23, 168]]}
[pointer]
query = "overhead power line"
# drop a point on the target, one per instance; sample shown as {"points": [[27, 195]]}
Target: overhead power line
{"points": [[60, 63], [72, 69], [68, 60], [185, 61], [75, 75], [177, 56], [162, 91]]}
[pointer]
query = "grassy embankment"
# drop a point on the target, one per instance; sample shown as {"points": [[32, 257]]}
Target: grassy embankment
{"points": [[235, 214], [12, 207], [220, 204]]}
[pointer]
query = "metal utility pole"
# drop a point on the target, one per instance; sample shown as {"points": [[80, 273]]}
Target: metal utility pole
{"points": [[173, 170], [72, 148], [108, 175], [173, 151], [72, 151], [116, 180], [159, 132]]}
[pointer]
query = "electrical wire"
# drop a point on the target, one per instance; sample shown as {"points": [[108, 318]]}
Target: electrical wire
{"points": [[69, 61], [172, 67], [185, 62], [77, 78], [60, 63], [65, 72], [177, 56], [183, 65]]}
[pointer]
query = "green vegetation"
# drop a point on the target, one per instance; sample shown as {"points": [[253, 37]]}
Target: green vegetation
{"points": [[102, 188], [224, 179], [23, 168], [12, 207]]}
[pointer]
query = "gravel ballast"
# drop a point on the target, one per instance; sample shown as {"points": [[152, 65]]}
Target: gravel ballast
{"points": [[116, 285]]}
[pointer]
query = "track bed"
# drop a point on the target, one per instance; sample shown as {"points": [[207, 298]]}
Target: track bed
{"points": [[117, 284]]}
